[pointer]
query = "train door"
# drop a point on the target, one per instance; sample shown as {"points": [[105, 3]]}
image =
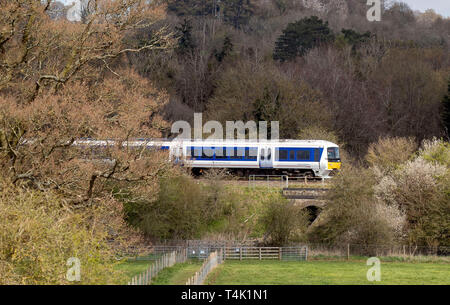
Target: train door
{"points": [[176, 153], [266, 157]]}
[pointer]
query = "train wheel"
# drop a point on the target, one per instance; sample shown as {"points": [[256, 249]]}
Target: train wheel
{"points": [[309, 174]]}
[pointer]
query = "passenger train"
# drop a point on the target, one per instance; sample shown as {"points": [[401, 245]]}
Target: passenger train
{"points": [[314, 158]]}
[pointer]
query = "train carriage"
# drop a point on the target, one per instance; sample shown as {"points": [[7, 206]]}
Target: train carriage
{"points": [[315, 158], [310, 157]]}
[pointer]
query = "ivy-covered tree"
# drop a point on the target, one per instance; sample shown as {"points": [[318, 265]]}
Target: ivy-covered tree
{"points": [[300, 36], [354, 38], [237, 12], [191, 7], [186, 42], [226, 49], [446, 111]]}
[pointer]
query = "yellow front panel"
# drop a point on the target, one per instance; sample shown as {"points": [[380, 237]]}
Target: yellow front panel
{"points": [[334, 165]]}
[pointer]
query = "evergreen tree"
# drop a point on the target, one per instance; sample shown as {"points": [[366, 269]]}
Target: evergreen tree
{"points": [[300, 36]]}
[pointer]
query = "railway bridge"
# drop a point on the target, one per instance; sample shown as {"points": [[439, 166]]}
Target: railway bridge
{"points": [[312, 199]]}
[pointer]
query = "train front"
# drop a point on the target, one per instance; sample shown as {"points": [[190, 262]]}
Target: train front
{"points": [[334, 159]]}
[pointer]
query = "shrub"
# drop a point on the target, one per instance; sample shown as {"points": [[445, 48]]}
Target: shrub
{"points": [[39, 233], [284, 222], [422, 191], [352, 215], [183, 210], [388, 153], [436, 151], [419, 188]]}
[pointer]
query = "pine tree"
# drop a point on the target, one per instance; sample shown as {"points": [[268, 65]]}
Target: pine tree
{"points": [[300, 36]]}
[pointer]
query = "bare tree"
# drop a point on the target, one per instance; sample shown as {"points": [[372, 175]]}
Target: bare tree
{"points": [[37, 53]]}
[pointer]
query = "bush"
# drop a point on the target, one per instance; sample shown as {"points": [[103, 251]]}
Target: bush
{"points": [[421, 188], [394, 201], [388, 153], [352, 215], [183, 210], [39, 233], [284, 223], [436, 151]]}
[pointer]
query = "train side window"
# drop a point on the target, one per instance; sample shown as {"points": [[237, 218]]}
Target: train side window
{"points": [[269, 154], [234, 153], [317, 155], [303, 155], [240, 153], [231, 152], [208, 153], [263, 154], [250, 154], [196, 152], [221, 153], [283, 155], [292, 155]]}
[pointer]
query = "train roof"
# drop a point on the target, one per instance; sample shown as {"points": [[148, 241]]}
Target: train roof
{"points": [[210, 141]]}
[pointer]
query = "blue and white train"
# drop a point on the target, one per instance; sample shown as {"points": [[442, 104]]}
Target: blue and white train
{"points": [[315, 158]]}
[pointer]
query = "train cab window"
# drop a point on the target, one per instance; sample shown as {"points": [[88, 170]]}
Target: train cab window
{"points": [[282, 155], [292, 155], [303, 155], [333, 154]]}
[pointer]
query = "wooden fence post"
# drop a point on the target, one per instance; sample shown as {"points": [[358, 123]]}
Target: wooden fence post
{"points": [[348, 252], [260, 253], [240, 253], [279, 253]]}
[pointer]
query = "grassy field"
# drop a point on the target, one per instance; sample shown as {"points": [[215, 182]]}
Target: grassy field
{"points": [[178, 274], [134, 267], [326, 273]]}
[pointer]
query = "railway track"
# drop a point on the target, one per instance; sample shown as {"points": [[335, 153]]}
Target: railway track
{"points": [[305, 193]]}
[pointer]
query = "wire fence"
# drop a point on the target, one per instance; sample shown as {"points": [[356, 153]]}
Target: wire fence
{"points": [[215, 252], [200, 249], [346, 250], [166, 260], [214, 259]]}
